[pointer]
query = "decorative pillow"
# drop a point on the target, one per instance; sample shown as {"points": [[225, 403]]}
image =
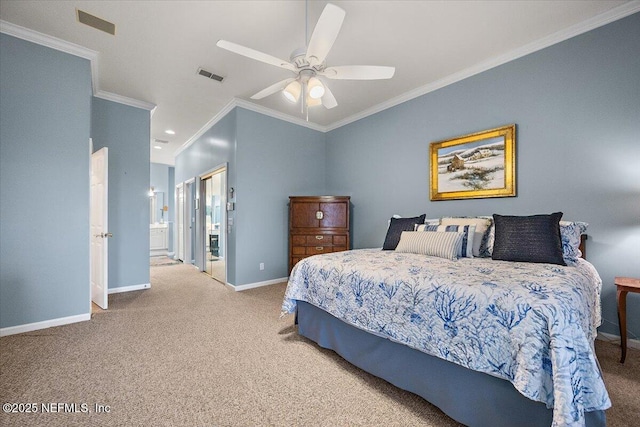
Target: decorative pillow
{"points": [[466, 248], [443, 244], [482, 225], [534, 238], [427, 227], [486, 248], [396, 227], [570, 233]]}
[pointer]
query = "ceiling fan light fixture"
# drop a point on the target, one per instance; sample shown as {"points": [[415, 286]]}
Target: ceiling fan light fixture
{"points": [[316, 89], [292, 91], [313, 102]]}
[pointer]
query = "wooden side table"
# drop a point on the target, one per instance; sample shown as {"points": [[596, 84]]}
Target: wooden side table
{"points": [[624, 285]]}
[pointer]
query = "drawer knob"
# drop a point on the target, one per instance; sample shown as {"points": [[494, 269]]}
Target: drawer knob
{"points": [[319, 237], [319, 248], [319, 215]]}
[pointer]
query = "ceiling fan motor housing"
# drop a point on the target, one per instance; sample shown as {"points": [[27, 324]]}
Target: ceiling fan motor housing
{"points": [[299, 59]]}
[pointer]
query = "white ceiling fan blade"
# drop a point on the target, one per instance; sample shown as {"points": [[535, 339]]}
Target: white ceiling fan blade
{"points": [[272, 89], [359, 72], [328, 100], [254, 54], [325, 33]]}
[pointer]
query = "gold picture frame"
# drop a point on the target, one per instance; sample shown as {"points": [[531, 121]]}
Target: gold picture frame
{"points": [[475, 166]]}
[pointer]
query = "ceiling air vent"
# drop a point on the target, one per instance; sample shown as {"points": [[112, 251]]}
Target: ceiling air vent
{"points": [[160, 141], [209, 75], [95, 22]]}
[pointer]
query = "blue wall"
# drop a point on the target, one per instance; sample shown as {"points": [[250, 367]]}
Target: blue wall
{"points": [[577, 108], [275, 160], [45, 116], [125, 131]]}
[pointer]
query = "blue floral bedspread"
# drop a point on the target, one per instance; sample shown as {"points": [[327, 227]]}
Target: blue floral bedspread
{"points": [[531, 324]]}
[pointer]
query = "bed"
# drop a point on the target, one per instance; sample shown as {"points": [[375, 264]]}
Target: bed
{"points": [[490, 342]]}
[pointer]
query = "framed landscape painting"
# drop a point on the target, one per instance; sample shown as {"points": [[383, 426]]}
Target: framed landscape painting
{"points": [[474, 166]]}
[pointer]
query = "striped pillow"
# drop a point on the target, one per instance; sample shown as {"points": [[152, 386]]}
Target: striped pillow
{"points": [[482, 224], [466, 248], [443, 244]]}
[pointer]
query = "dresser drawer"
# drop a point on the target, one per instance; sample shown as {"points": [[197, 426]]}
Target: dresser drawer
{"points": [[319, 240], [315, 250]]}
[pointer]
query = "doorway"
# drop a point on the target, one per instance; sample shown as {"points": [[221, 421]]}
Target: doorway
{"points": [[214, 189]]}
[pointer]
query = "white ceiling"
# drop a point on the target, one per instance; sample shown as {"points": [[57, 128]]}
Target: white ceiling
{"points": [[159, 45]]}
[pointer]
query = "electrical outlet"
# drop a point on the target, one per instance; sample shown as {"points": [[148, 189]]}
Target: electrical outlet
{"points": [[262, 266]]}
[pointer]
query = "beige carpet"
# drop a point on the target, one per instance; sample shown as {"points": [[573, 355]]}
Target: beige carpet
{"points": [[162, 260], [191, 352]]}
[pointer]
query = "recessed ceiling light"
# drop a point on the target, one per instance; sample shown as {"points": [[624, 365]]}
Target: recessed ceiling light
{"points": [[170, 132], [157, 147]]}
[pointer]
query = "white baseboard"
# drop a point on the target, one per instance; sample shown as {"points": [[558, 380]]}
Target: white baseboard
{"points": [[631, 343], [129, 288], [12, 330], [257, 284]]}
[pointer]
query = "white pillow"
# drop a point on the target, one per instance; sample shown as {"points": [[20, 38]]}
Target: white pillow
{"points": [[445, 244], [482, 225]]}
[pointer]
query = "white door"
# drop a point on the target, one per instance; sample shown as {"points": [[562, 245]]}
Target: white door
{"points": [[180, 215], [99, 227]]}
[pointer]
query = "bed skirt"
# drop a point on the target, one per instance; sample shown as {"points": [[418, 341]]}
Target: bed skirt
{"points": [[469, 397]]}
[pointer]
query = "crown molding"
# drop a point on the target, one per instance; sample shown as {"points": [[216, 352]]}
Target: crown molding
{"points": [[278, 115], [46, 40], [76, 50], [126, 101], [215, 119], [236, 102], [611, 15]]}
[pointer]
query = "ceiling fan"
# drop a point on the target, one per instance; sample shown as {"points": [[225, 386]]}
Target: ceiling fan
{"points": [[308, 63]]}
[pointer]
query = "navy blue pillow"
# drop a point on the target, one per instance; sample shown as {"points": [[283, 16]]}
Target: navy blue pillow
{"points": [[396, 227], [534, 238]]}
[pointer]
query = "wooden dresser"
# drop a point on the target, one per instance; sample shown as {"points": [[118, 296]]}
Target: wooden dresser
{"points": [[317, 225]]}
